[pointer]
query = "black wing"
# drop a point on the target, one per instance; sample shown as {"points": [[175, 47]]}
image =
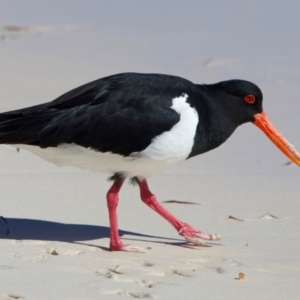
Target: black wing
{"points": [[120, 113]]}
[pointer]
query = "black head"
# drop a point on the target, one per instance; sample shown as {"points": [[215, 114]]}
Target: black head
{"points": [[241, 99], [235, 102]]}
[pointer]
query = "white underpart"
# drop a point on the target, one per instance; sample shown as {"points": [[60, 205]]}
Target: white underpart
{"points": [[165, 150]]}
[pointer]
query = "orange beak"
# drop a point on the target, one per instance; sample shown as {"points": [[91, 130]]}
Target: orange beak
{"points": [[268, 128]]}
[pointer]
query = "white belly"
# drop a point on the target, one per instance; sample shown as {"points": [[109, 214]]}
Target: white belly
{"points": [[87, 159]]}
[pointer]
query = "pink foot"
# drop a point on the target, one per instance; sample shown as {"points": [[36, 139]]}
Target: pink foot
{"points": [[192, 235], [195, 236], [126, 247]]}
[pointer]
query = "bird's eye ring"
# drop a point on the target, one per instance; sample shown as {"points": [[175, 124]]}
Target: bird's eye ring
{"points": [[250, 98]]}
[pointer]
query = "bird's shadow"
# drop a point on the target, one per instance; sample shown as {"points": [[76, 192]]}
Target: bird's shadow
{"points": [[31, 229]]}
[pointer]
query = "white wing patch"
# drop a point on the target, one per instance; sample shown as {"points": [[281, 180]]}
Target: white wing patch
{"points": [[165, 150]]}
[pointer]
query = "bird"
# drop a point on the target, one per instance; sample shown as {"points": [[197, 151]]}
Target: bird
{"points": [[135, 125]]}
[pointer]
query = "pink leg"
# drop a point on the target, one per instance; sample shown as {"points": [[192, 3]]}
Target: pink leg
{"points": [[112, 198], [189, 233]]}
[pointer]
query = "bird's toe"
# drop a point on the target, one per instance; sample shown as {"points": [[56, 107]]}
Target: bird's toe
{"points": [[197, 237], [135, 249], [195, 241], [215, 237]]}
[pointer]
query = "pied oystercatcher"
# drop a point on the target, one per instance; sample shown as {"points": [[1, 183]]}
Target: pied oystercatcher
{"points": [[134, 125]]}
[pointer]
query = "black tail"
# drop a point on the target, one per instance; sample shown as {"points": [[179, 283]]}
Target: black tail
{"points": [[21, 127]]}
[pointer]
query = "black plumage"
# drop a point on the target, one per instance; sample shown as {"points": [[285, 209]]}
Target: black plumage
{"points": [[123, 113]]}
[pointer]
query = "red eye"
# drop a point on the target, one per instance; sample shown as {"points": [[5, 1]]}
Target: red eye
{"points": [[250, 98]]}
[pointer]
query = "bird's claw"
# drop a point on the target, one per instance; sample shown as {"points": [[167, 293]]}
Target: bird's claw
{"points": [[215, 237], [196, 237], [127, 248], [195, 241], [135, 249]]}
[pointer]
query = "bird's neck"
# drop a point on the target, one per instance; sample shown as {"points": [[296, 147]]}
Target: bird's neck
{"points": [[214, 128]]}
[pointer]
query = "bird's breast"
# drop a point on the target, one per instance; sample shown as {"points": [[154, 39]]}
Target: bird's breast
{"points": [[176, 144]]}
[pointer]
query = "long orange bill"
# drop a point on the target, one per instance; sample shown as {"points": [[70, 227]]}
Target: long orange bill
{"points": [[262, 121]]}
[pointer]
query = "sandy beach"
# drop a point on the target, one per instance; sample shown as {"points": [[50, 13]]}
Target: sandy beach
{"points": [[57, 246]]}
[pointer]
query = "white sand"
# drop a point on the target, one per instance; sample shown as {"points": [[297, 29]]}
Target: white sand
{"points": [[63, 211]]}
